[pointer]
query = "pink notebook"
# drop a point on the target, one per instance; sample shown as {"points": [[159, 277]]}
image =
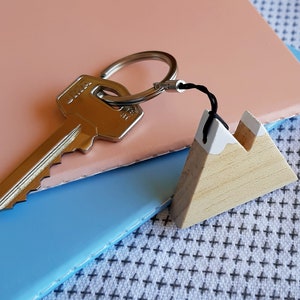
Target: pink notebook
{"points": [[224, 45]]}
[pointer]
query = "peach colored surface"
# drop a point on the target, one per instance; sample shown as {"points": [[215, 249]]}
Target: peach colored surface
{"points": [[224, 45]]}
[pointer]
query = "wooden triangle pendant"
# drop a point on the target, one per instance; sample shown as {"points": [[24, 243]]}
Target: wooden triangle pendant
{"points": [[228, 170]]}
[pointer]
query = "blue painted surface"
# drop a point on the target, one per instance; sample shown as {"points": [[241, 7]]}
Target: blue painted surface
{"points": [[295, 52], [55, 232]]}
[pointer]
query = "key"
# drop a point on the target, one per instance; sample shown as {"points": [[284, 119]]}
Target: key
{"points": [[87, 118]]}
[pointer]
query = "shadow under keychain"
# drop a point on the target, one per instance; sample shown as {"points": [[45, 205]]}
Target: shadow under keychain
{"points": [[222, 170]]}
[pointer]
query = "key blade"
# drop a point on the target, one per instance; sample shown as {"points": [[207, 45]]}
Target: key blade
{"points": [[27, 177], [88, 118]]}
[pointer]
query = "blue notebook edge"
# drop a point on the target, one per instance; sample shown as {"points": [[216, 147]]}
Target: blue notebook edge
{"points": [[40, 251], [102, 250], [295, 52]]}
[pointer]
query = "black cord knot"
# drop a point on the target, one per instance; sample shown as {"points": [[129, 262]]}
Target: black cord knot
{"points": [[214, 107]]}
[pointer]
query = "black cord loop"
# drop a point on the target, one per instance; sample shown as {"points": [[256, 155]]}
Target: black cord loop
{"points": [[214, 107]]}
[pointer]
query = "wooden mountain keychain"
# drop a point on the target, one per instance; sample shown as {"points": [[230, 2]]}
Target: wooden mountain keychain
{"points": [[224, 170]]}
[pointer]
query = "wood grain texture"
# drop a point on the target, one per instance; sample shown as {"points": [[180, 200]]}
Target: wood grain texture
{"points": [[213, 183]]}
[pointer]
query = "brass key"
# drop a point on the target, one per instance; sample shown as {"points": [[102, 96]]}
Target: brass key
{"points": [[87, 118]]}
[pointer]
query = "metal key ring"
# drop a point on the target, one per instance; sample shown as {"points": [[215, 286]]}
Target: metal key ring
{"points": [[147, 94]]}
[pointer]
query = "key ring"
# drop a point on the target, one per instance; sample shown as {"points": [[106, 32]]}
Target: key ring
{"points": [[147, 94], [169, 83]]}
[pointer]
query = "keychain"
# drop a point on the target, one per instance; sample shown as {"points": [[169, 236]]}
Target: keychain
{"points": [[222, 170]]}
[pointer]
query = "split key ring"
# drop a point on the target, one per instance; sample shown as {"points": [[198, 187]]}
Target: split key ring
{"points": [[147, 94]]}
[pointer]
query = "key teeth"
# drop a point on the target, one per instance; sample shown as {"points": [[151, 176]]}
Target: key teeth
{"points": [[33, 186], [21, 198], [36, 183]]}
